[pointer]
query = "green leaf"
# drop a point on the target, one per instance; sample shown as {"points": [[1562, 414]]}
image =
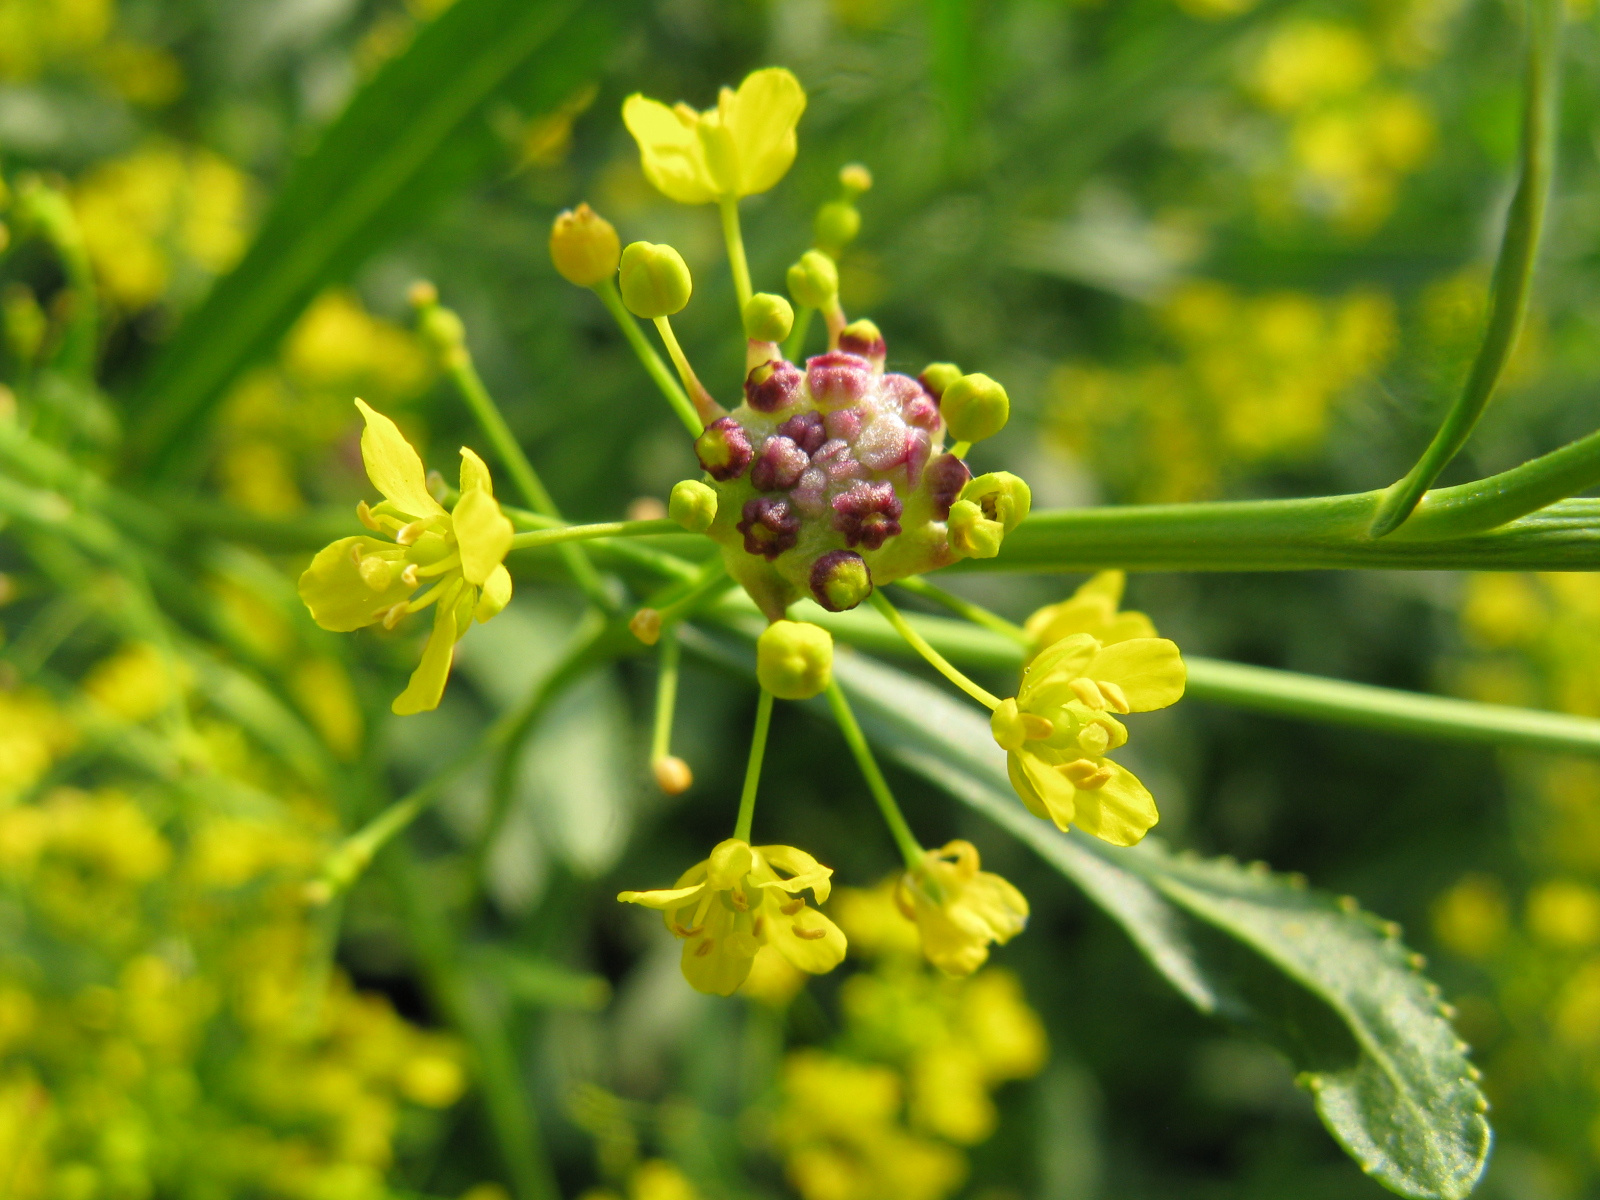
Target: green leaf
{"points": [[412, 137], [1330, 986]]}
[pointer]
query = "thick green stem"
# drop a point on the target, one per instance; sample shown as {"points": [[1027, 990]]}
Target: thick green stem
{"points": [[1489, 503], [734, 237], [910, 848], [752, 770], [506, 447], [1513, 273], [605, 529], [648, 358], [935, 659]]}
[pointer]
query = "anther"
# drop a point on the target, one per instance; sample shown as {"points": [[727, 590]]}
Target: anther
{"points": [[646, 626], [1036, 728], [355, 553], [1114, 693], [1086, 775], [364, 515], [673, 775], [392, 615], [409, 576], [810, 935], [407, 535], [1088, 692], [703, 949], [792, 907]]}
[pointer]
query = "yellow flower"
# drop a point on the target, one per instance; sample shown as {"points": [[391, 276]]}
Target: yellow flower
{"points": [[1092, 609], [1060, 725], [731, 905], [739, 148], [361, 581], [959, 909]]}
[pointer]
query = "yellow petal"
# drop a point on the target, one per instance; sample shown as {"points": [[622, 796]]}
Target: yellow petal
{"points": [[1028, 794], [339, 596], [730, 862], [1055, 790], [474, 474], [393, 466], [662, 898], [495, 596], [669, 150], [818, 955], [762, 116], [1047, 680], [1127, 625], [719, 154], [1106, 585], [807, 871], [1121, 812], [719, 960], [426, 688], [1149, 671], [482, 533]]}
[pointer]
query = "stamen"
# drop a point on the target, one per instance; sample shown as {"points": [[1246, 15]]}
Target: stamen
{"points": [[407, 535], [703, 949], [436, 592], [392, 614], [409, 576], [1036, 728], [355, 553], [688, 933], [740, 900], [1087, 775], [758, 926], [792, 907], [1114, 693], [364, 515], [810, 935], [1085, 690], [446, 564]]}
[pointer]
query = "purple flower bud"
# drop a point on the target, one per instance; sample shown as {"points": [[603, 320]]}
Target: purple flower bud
{"points": [[917, 406], [810, 494], [770, 527], [947, 475], [723, 449], [868, 514], [838, 380], [779, 465], [882, 444], [835, 458], [840, 580], [805, 430], [845, 424], [863, 338], [772, 385]]}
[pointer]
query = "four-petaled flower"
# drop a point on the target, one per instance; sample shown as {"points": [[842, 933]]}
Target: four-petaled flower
{"points": [[958, 909], [731, 905], [1058, 728], [457, 556], [739, 148]]}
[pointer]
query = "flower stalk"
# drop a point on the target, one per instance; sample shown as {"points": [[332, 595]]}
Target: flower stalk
{"points": [[752, 771], [905, 841]]}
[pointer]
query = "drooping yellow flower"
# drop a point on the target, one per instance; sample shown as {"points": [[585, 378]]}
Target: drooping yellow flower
{"points": [[739, 148], [1058, 728], [360, 581], [731, 905], [958, 909]]}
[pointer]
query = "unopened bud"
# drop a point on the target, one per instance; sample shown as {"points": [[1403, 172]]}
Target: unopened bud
{"points": [[836, 225], [646, 508], [442, 329], [794, 659], [855, 178], [693, 505], [840, 580], [937, 378], [673, 775], [646, 626], [864, 338], [655, 280], [974, 407], [584, 246], [767, 318], [421, 294], [814, 280]]}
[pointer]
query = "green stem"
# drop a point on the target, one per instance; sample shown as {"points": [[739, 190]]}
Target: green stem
{"points": [[935, 659], [605, 529], [1513, 273], [732, 235], [910, 849], [795, 346], [666, 694], [975, 613], [705, 407], [50, 213], [961, 449], [712, 578], [752, 770], [646, 353], [459, 365], [1490, 503]]}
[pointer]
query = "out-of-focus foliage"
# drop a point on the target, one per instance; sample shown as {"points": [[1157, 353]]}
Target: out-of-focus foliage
{"points": [[1217, 249]]}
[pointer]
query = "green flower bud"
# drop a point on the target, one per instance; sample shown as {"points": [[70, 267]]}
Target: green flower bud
{"points": [[814, 280], [840, 580], [794, 660], [584, 247], [655, 280], [937, 377], [692, 505], [974, 407], [440, 327], [767, 318], [836, 225], [855, 178], [989, 507]]}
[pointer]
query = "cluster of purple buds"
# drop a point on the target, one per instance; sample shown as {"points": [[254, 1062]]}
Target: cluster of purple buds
{"points": [[832, 478]]}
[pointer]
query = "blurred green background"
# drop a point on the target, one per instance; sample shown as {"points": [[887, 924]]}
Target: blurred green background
{"points": [[1215, 249]]}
